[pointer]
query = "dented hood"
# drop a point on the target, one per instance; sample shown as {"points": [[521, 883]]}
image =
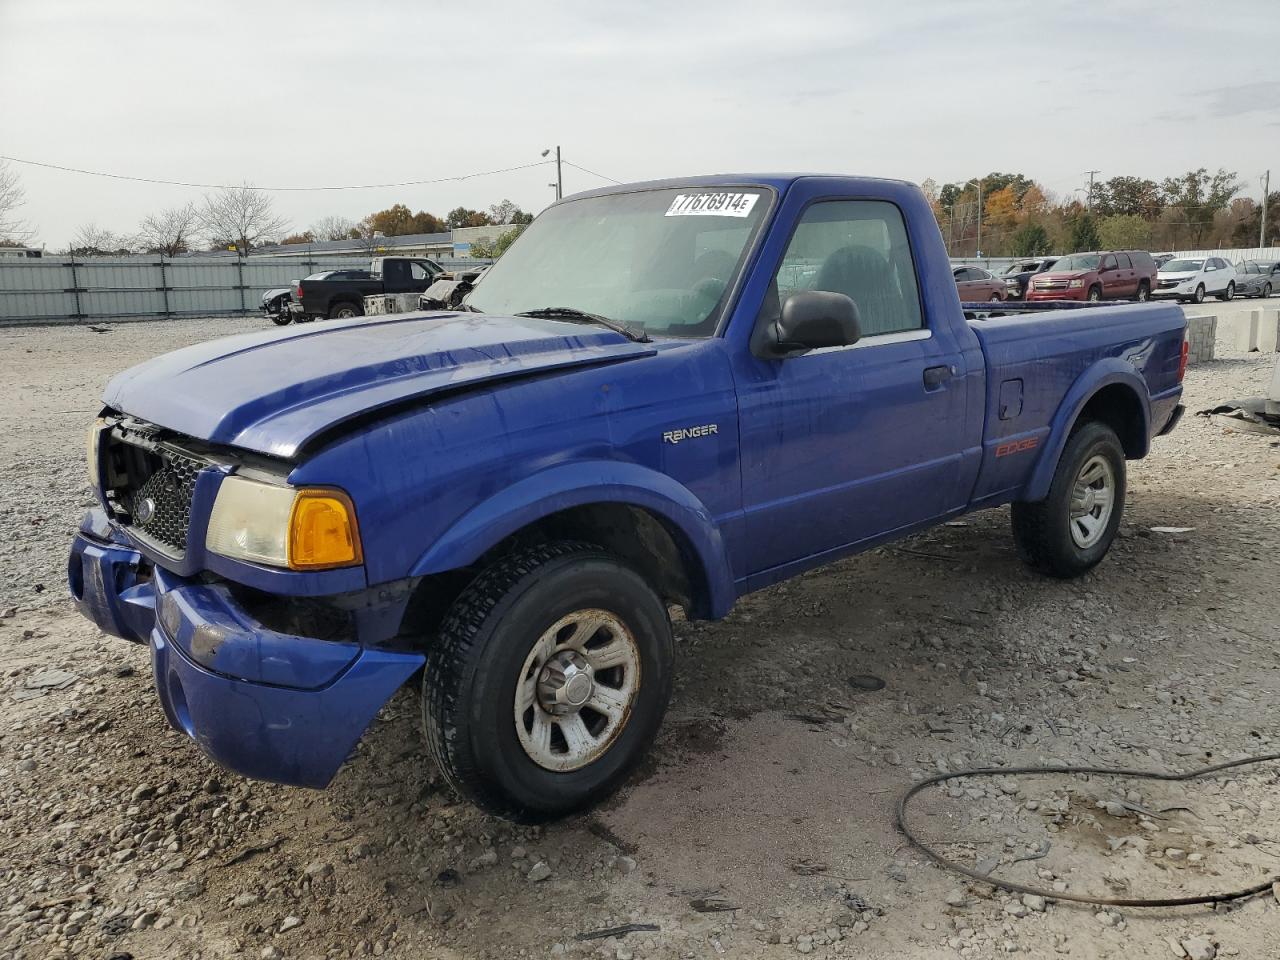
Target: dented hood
{"points": [[272, 392]]}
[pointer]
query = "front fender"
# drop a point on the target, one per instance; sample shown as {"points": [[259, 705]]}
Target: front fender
{"points": [[1103, 373], [578, 484]]}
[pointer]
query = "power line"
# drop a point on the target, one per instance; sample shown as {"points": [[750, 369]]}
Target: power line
{"points": [[225, 186], [570, 163]]}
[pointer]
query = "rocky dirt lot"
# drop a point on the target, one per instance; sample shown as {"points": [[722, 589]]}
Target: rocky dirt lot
{"points": [[762, 826]]}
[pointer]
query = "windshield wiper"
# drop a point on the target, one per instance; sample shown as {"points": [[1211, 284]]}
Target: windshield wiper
{"points": [[572, 313]]}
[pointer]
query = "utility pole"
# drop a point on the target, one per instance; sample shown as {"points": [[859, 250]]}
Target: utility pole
{"points": [[1266, 195], [978, 252], [1088, 200], [559, 184]]}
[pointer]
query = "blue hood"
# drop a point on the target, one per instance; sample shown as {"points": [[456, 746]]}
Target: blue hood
{"points": [[273, 391]]}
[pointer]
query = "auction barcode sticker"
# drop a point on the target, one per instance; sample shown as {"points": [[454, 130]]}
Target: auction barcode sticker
{"points": [[712, 205]]}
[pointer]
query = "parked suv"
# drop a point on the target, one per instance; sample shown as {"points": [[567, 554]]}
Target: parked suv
{"points": [[1191, 279], [1017, 276], [1104, 275]]}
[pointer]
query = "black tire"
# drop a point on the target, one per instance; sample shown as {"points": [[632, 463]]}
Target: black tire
{"points": [[469, 683], [1095, 293], [1266, 291], [345, 310], [1144, 292], [282, 321], [1198, 296], [1228, 293], [995, 298], [1042, 530]]}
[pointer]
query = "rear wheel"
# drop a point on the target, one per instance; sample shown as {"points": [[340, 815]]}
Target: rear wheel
{"points": [[1198, 296], [1266, 291], [995, 298], [344, 311], [1069, 532], [1095, 293], [1144, 292], [1228, 293], [548, 681]]}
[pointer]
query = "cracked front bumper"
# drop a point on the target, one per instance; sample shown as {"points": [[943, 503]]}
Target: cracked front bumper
{"points": [[266, 704]]}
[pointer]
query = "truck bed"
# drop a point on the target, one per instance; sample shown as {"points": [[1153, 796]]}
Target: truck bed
{"points": [[1037, 358]]}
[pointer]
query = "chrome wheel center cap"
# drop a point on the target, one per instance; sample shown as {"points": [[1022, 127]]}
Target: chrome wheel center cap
{"points": [[566, 682]]}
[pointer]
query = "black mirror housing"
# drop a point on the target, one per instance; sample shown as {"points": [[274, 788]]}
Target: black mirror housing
{"points": [[813, 319]]}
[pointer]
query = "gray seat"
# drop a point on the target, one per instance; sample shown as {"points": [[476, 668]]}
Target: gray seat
{"points": [[864, 275]]}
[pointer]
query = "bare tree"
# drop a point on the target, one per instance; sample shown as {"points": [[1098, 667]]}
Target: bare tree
{"points": [[332, 228], [169, 232], [94, 241], [240, 215], [12, 196]]}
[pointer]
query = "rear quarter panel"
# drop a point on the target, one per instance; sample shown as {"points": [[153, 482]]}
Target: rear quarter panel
{"points": [[1055, 362]]}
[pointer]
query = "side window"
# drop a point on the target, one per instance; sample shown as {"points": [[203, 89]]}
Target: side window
{"points": [[1108, 263], [858, 248], [393, 271], [1123, 260], [419, 272]]}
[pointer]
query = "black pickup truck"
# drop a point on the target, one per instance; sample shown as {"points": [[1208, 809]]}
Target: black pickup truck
{"points": [[341, 293]]}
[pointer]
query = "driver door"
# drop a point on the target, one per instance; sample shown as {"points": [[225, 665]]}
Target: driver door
{"points": [[844, 444]]}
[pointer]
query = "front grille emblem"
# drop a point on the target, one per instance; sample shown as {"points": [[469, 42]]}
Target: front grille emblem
{"points": [[144, 511]]}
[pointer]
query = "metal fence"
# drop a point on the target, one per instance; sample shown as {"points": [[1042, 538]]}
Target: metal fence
{"points": [[997, 264], [76, 290]]}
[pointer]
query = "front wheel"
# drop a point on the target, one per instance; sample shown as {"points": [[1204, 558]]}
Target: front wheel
{"points": [[282, 319], [1266, 291], [548, 681], [1069, 532], [1228, 293], [995, 298], [1198, 297], [1095, 294]]}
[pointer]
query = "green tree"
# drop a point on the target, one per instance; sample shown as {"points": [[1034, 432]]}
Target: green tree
{"points": [[1124, 231], [503, 242], [1199, 195], [1132, 196], [463, 217], [1031, 240], [1084, 235], [1246, 232]]}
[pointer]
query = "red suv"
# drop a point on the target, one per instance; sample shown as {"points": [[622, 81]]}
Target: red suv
{"points": [[1113, 275]]}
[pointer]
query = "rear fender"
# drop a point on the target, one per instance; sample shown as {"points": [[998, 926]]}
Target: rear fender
{"points": [[578, 484], [1103, 373]]}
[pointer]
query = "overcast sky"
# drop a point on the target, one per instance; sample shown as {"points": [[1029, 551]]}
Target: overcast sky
{"points": [[317, 93]]}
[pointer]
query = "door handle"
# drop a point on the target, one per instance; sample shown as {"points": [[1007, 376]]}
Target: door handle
{"points": [[934, 377]]}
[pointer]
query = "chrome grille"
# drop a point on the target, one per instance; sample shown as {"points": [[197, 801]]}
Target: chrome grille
{"points": [[151, 487]]}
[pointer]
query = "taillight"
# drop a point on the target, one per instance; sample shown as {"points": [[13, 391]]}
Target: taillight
{"points": [[297, 294], [1182, 364]]}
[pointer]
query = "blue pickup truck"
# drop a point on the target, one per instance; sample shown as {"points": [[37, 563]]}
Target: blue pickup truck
{"points": [[664, 394]]}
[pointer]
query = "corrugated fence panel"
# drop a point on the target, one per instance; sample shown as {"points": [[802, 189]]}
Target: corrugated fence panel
{"points": [[57, 289]]}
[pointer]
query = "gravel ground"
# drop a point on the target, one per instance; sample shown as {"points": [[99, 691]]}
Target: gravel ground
{"points": [[762, 825]]}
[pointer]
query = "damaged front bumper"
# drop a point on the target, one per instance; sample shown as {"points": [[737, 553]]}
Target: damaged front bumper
{"points": [[264, 703]]}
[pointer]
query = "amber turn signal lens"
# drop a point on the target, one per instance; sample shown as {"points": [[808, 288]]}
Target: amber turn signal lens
{"points": [[322, 531]]}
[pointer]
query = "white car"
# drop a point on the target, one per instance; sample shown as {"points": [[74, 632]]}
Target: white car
{"points": [[1195, 279]]}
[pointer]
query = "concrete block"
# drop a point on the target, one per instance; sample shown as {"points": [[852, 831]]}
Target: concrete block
{"points": [[1239, 331], [1202, 335], [1269, 330]]}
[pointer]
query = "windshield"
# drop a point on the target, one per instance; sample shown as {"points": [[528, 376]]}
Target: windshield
{"points": [[658, 261], [1182, 266], [1026, 266], [1078, 261], [322, 275]]}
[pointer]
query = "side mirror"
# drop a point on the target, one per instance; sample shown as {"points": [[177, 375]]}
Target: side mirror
{"points": [[811, 320]]}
